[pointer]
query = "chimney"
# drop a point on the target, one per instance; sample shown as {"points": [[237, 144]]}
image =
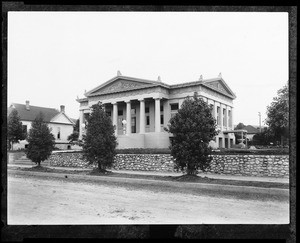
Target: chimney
{"points": [[27, 105], [159, 79], [62, 108]]}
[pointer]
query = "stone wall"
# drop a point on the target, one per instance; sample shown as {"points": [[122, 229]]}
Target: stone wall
{"points": [[249, 165]]}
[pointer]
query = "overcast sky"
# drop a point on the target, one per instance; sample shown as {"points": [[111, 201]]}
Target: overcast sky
{"points": [[55, 56]]}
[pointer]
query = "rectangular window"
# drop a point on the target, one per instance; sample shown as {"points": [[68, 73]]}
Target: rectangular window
{"points": [[161, 119], [58, 133], [174, 107], [224, 117], [120, 112], [229, 118], [24, 129], [146, 109], [161, 108], [147, 120], [211, 107], [133, 111], [108, 113]]}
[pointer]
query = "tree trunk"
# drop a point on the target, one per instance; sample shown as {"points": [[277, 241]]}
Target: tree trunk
{"points": [[39, 163], [191, 171], [101, 168]]}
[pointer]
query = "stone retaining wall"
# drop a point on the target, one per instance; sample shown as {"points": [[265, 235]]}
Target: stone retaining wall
{"points": [[250, 165]]}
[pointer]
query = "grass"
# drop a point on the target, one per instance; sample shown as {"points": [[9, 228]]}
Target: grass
{"points": [[179, 178]]}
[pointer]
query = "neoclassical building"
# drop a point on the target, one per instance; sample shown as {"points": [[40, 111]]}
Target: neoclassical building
{"points": [[140, 108]]}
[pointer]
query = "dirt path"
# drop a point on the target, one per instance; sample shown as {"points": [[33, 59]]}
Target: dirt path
{"points": [[56, 201]]}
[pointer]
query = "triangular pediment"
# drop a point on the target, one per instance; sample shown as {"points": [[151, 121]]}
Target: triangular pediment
{"points": [[221, 86], [119, 85], [62, 118]]}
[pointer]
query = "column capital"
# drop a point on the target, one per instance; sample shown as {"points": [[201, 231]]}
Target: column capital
{"points": [[114, 102], [127, 101], [141, 99]]}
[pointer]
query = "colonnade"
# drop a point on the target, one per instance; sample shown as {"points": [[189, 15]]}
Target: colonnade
{"points": [[142, 124]]}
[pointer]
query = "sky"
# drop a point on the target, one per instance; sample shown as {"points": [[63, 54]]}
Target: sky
{"points": [[53, 57]]}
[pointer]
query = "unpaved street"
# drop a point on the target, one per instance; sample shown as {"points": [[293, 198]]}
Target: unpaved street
{"points": [[33, 200]]}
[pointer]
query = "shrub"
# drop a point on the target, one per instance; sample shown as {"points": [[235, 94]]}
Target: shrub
{"points": [[192, 128], [40, 141], [99, 143]]}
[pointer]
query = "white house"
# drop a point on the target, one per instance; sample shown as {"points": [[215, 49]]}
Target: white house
{"points": [[140, 108], [60, 124]]}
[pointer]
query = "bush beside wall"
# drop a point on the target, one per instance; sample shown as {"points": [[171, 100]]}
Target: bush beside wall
{"points": [[246, 164]]}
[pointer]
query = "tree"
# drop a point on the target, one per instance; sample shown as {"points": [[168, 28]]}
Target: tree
{"points": [[263, 138], [15, 131], [278, 114], [99, 142], [40, 141], [192, 127], [73, 137], [239, 126], [238, 136], [76, 127]]}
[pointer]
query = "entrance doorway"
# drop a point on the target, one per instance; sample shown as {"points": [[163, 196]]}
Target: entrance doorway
{"points": [[220, 143], [133, 124], [226, 143]]}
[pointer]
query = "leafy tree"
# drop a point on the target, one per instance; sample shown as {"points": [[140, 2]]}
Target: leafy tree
{"points": [[76, 127], [193, 127], [73, 137], [99, 142], [240, 126], [238, 136], [15, 131], [40, 141], [264, 138], [278, 115]]}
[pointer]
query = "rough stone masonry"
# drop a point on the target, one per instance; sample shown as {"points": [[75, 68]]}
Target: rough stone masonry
{"points": [[249, 165]]}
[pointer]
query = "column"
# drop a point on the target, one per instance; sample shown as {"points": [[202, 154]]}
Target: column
{"points": [[128, 117], [142, 116], [215, 111], [157, 115], [221, 116], [80, 124], [227, 118], [232, 126], [115, 117]]}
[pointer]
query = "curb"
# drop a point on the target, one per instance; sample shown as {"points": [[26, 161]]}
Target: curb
{"points": [[187, 185]]}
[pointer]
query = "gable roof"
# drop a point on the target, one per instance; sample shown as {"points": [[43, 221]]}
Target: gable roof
{"points": [[250, 129], [129, 83], [138, 84], [34, 111], [62, 114]]}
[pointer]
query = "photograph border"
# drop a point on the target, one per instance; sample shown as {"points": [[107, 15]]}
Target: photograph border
{"points": [[282, 232]]}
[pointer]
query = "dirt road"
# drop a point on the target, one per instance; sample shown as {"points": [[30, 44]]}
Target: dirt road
{"points": [[34, 200]]}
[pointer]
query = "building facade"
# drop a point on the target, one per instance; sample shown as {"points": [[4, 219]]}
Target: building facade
{"points": [[140, 109], [60, 124]]}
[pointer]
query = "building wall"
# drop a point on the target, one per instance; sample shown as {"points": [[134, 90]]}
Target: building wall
{"points": [[248, 165], [177, 95], [65, 131]]}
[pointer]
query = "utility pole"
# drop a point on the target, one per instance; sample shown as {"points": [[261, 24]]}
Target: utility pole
{"points": [[259, 121]]}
